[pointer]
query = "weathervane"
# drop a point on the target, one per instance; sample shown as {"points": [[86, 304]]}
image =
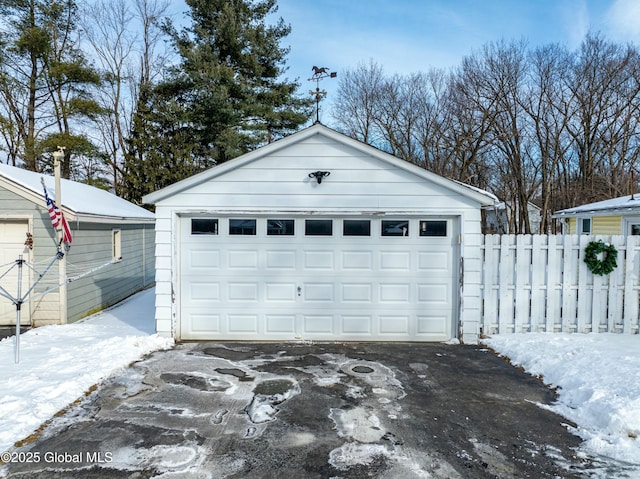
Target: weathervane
{"points": [[318, 74]]}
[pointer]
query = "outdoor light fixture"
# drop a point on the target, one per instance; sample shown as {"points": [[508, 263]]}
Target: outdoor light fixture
{"points": [[318, 175]]}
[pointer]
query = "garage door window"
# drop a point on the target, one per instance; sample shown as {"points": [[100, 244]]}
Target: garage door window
{"points": [[280, 227], [356, 228], [242, 227], [433, 228], [395, 228], [318, 227], [204, 226]]}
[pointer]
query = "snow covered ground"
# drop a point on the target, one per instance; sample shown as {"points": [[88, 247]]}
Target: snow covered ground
{"points": [[598, 380], [597, 375], [58, 364]]}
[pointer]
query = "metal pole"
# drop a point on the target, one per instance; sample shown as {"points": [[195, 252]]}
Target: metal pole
{"points": [[58, 157], [18, 308]]}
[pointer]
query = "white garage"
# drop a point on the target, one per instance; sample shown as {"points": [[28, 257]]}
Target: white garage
{"points": [[318, 237]]}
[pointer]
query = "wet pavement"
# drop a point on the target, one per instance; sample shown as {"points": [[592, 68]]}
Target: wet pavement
{"points": [[247, 410]]}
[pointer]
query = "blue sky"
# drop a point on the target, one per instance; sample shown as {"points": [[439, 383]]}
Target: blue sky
{"points": [[405, 36]]}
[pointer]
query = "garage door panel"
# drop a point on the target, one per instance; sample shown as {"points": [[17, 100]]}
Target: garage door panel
{"points": [[394, 293], [434, 294], [242, 323], [281, 260], [435, 261], [319, 292], [394, 324], [357, 260], [204, 291], [317, 323], [395, 260], [281, 292], [432, 325], [242, 259], [242, 292], [319, 260], [356, 324], [204, 322], [279, 323], [357, 293], [203, 260], [322, 288]]}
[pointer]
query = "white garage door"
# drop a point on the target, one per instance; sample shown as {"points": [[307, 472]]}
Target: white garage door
{"points": [[327, 278], [12, 238]]}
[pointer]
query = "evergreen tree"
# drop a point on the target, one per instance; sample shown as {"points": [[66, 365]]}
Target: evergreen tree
{"points": [[160, 147], [45, 82], [225, 97], [229, 77]]}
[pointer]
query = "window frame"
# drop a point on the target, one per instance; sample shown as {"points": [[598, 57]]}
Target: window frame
{"points": [[423, 230], [400, 235], [216, 229], [353, 221], [242, 232], [308, 221], [580, 225], [287, 221], [116, 245]]}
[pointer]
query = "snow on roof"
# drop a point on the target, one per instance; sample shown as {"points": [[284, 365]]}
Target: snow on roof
{"points": [[629, 202], [78, 198]]}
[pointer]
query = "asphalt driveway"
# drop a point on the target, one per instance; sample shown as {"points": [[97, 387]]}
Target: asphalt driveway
{"points": [[247, 410]]}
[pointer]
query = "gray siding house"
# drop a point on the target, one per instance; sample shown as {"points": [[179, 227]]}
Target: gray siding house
{"points": [[111, 256]]}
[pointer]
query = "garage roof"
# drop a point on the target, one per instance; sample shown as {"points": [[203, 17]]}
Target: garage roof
{"points": [[79, 201], [483, 197]]}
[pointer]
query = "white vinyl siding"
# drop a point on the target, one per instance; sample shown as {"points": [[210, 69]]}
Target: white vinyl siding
{"points": [[364, 184]]}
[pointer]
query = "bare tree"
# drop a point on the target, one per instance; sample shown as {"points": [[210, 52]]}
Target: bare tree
{"points": [[604, 99], [546, 104], [355, 108], [124, 39]]}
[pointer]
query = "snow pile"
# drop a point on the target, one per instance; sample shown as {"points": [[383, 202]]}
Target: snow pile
{"points": [[59, 364], [598, 376]]}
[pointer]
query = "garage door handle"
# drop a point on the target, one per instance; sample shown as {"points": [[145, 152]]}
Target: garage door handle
{"points": [[299, 290]]}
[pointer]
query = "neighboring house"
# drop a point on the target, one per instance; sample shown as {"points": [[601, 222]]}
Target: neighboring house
{"points": [[104, 227], [501, 218], [617, 216], [318, 237]]}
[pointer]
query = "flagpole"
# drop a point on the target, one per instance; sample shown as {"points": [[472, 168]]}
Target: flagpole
{"points": [[58, 157]]}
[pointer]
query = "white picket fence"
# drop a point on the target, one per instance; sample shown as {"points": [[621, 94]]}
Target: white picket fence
{"points": [[541, 283]]}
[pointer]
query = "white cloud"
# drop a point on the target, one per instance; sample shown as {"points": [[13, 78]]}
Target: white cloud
{"points": [[622, 20], [577, 21]]}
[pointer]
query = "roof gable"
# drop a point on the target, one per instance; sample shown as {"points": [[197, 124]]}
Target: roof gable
{"points": [[79, 201], [339, 141]]}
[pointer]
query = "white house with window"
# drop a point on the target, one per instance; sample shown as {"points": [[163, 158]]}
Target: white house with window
{"points": [[617, 216], [318, 237]]}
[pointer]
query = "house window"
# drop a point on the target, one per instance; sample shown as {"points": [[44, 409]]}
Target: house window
{"points": [[433, 228], [395, 228], [246, 227], [584, 226], [635, 229], [116, 245], [280, 227], [318, 227], [356, 228], [204, 226]]}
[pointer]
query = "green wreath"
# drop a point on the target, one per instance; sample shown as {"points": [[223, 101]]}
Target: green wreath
{"points": [[604, 266]]}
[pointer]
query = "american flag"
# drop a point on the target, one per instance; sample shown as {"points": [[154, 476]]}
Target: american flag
{"points": [[57, 217]]}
